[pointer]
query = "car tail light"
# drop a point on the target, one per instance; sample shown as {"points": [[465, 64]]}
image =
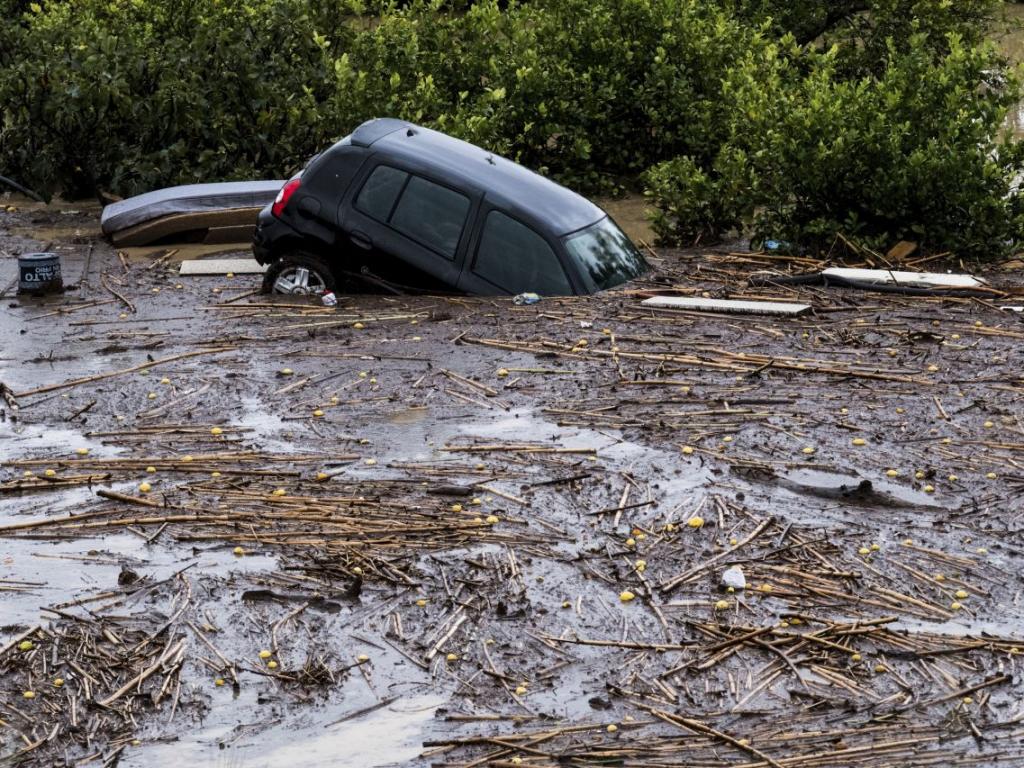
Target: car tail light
{"points": [[284, 196]]}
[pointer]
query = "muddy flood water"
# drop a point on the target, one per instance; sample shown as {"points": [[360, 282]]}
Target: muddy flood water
{"points": [[448, 531]]}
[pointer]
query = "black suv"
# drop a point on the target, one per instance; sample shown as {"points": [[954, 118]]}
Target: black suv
{"points": [[397, 203]]}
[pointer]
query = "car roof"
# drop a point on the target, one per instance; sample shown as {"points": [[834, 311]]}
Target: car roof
{"points": [[559, 209]]}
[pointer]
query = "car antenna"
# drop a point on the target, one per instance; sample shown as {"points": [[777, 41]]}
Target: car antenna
{"points": [[410, 132], [490, 159]]}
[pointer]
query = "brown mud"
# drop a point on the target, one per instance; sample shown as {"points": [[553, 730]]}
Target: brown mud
{"points": [[437, 512]]}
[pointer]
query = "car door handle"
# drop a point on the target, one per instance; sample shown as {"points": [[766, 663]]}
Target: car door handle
{"points": [[361, 239]]}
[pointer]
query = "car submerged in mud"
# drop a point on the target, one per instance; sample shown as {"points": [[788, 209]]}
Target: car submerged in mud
{"points": [[394, 204]]}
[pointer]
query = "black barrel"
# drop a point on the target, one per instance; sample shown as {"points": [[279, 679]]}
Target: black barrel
{"points": [[39, 273]]}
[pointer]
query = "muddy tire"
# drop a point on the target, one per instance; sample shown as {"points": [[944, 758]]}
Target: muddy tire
{"points": [[299, 274]]}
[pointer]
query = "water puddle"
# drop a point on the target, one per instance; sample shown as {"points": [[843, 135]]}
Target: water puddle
{"points": [[389, 736]]}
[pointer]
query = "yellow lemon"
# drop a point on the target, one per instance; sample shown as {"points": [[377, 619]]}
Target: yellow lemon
{"points": [[696, 522], [362, 658], [216, 431], [278, 492], [520, 690], [25, 645], [722, 605], [358, 326], [219, 681], [286, 371], [370, 462], [808, 450], [265, 654], [238, 551], [151, 470], [271, 664], [502, 372], [58, 682], [318, 413], [687, 449], [491, 519], [891, 473], [625, 596], [456, 507], [859, 441], [145, 487], [929, 489], [29, 694], [452, 657], [82, 451], [612, 728], [421, 603], [955, 606], [855, 657]]}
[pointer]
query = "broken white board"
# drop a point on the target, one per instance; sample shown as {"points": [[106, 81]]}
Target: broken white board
{"points": [[909, 279], [221, 267], [698, 304], [1012, 309]]}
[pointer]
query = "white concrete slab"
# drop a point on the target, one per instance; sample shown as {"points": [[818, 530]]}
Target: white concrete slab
{"points": [[221, 267], [698, 304], [910, 279]]}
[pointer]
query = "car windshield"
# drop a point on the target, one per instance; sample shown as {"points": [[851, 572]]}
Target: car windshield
{"points": [[605, 255]]}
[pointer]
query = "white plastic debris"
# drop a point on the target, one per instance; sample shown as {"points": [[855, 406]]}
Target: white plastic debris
{"points": [[733, 577], [329, 299]]}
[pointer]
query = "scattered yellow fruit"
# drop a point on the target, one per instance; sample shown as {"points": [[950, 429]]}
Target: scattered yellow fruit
{"points": [[491, 519], [452, 657], [265, 654], [362, 658], [808, 450], [669, 527], [456, 507], [962, 594], [318, 413], [476, 502], [358, 326], [722, 605], [216, 431], [612, 728], [953, 478], [631, 542], [641, 565], [421, 603], [907, 542], [29, 694], [989, 425], [145, 487], [696, 522], [919, 475], [58, 682], [370, 462], [151, 470], [215, 474], [151, 396], [82, 451], [278, 492], [25, 645], [357, 571], [880, 668], [219, 682], [875, 547], [933, 368], [321, 476], [891, 473], [520, 690], [765, 587], [727, 439], [687, 449], [859, 441], [238, 551], [991, 475], [955, 606], [863, 551], [855, 657], [186, 458], [286, 371], [929, 489], [625, 596], [981, 551], [271, 664]]}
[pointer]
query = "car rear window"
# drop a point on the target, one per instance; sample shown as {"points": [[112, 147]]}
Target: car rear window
{"points": [[517, 259], [378, 195], [605, 255], [432, 215]]}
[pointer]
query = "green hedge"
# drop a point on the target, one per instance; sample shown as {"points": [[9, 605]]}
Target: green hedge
{"points": [[791, 118]]}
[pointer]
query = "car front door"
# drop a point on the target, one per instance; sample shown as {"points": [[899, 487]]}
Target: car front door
{"points": [[413, 217], [509, 256]]}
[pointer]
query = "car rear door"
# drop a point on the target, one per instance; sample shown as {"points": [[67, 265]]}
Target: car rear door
{"points": [[414, 217]]}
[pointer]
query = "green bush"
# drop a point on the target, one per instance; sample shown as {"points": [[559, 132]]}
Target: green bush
{"points": [[915, 153]]}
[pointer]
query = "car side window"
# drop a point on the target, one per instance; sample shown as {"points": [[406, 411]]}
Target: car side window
{"points": [[432, 215], [378, 195], [517, 259]]}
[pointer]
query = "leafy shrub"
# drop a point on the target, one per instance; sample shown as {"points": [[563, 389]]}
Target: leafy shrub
{"points": [[912, 154]]}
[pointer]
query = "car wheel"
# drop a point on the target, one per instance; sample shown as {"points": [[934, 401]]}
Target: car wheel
{"points": [[299, 274]]}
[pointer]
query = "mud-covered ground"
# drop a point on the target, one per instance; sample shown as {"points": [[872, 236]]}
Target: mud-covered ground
{"points": [[413, 548]]}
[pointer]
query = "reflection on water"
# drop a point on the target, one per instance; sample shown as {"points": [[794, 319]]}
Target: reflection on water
{"points": [[1009, 37]]}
